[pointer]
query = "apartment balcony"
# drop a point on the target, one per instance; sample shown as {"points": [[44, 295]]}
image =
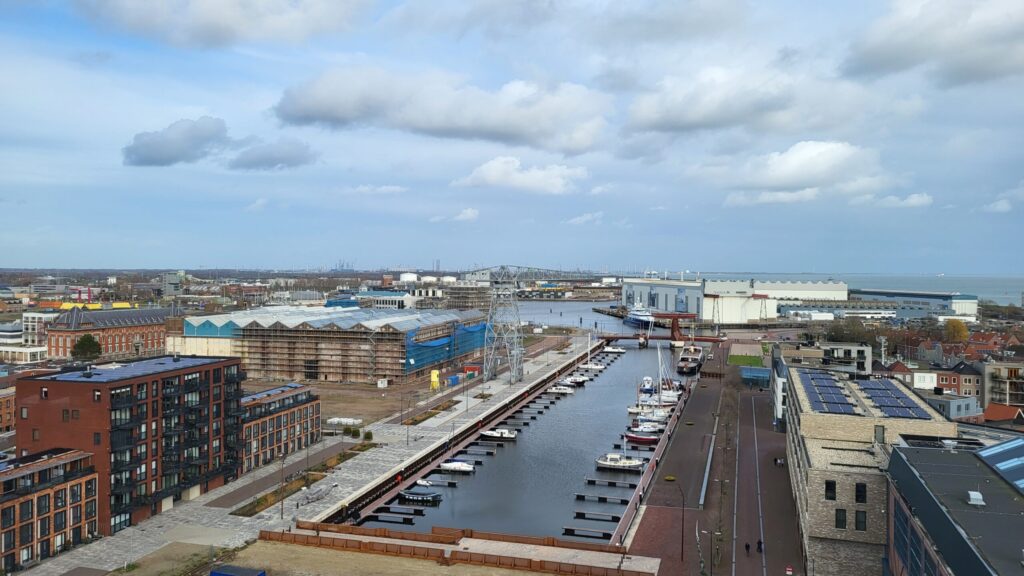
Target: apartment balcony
{"points": [[196, 459], [172, 409], [237, 378], [122, 439], [125, 464], [171, 391], [127, 424], [21, 491], [196, 385], [121, 507], [126, 487], [176, 428], [169, 465], [123, 401]]}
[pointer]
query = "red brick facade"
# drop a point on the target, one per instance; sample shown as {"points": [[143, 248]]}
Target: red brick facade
{"points": [[278, 422], [117, 343]]}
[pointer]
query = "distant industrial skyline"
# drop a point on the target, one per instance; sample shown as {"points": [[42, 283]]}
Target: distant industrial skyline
{"points": [[874, 137]]}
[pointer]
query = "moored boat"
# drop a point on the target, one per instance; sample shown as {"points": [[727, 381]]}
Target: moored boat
{"points": [[561, 390], [500, 434], [639, 316], [577, 380], [614, 350], [592, 366], [646, 428], [422, 482], [690, 360], [456, 465], [637, 438], [618, 461], [421, 496]]}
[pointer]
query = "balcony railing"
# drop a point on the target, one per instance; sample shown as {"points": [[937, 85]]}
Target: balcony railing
{"points": [[127, 424], [121, 439], [171, 391], [126, 487], [123, 401], [38, 486], [124, 464]]}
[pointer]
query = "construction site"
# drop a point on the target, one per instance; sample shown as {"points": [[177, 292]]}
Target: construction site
{"points": [[337, 345]]}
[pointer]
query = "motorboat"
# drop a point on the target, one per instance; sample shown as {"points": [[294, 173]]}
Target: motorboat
{"points": [[636, 438], [618, 461], [639, 316], [421, 496], [500, 434], [561, 390], [690, 360], [644, 409], [422, 482], [614, 350], [658, 416], [646, 428], [647, 385], [576, 379], [592, 366], [456, 465]]}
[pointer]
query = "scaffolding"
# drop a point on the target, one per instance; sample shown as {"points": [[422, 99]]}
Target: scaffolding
{"points": [[504, 339]]}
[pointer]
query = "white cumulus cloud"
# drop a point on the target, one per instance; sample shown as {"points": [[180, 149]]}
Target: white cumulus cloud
{"points": [[278, 155], [750, 199], [213, 23], [1000, 206], [508, 172], [586, 218], [184, 141], [566, 117], [467, 215]]}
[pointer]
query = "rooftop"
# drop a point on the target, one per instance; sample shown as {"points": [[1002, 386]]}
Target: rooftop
{"points": [[993, 529], [821, 391], [844, 456], [125, 371], [17, 467], [274, 393], [76, 318], [913, 293], [317, 317]]}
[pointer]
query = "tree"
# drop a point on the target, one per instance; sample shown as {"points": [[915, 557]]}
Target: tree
{"points": [[955, 331], [86, 348]]}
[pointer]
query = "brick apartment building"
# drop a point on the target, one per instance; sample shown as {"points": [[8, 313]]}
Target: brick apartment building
{"points": [[7, 408], [278, 422], [162, 429], [48, 504], [122, 334]]}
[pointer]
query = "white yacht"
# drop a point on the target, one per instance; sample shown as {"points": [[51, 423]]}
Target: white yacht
{"points": [[617, 461], [592, 366], [639, 316], [456, 465], [614, 350], [561, 390], [500, 434]]}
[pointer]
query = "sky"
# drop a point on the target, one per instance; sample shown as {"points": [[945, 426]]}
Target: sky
{"points": [[861, 136]]}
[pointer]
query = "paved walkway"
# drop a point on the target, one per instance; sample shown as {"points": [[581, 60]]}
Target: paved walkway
{"points": [[206, 520]]}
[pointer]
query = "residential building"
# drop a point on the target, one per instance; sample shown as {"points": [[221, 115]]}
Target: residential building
{"points": [[837, 431], [19, 354], [896, 370], [10, 333], [8, 407], [170, 284], [1003, 383], [962, 378], [849, 358], [955, 510], [278, 422], [34, 325], [49, 503], [162, 429], [954, 406], [122, 334]]}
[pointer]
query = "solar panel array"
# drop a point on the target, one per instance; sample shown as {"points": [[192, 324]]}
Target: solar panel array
{"points": [[825, 393], [890, 398]]}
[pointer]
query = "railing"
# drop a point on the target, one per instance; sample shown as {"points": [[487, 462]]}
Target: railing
{"points": [[121, 507], [53, 481], [126, 487], [172, 409], [123, 464], [123, 401], [196, 385], [171, 391], [127, 424], [122, 439]]}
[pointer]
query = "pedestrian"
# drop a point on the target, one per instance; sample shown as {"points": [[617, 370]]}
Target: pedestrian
{"points": [[760, 546], [747, 546]]}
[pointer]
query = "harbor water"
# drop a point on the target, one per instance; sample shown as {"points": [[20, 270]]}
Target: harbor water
{"points": [[529, 485]]}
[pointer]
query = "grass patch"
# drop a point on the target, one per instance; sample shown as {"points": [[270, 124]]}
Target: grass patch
{"points": [[269, 499], [423, 417], [482, 396], [744, 360]]}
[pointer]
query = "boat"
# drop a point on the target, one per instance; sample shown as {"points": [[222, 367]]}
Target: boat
{"points": [[653, 416], [561, 390], [636, 438], [690, 360], [422, 482], [456, 465], [646, 428], [577, 380], [639, 316], [420, 496], [617, 461], [500, 434], [614, 350], [592, 366]]}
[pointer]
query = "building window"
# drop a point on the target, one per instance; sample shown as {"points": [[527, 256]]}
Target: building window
{"points": [[90, 509], [24, 413], [96, 438], [830, 489], [76, 493], [861, 520], [25, 510], [75, 414], [60, 498], [96, 395], [44, 527], [43, 504], [841, 518], [7, 517], [65, 415], [90, 488], [59, 520], [35, 434], [862, 493], [44, 392], [25, 534]]}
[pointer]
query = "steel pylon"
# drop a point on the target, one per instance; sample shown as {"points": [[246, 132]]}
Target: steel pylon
{"points": [[504, 340]]}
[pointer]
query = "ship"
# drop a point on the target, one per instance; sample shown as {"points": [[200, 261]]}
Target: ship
{"points": [[639, 316], [690, 360]]}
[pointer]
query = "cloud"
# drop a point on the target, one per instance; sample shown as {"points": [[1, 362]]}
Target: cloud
{"points": [[1000, 206], [368, 190], [586, 218], [507, 172], [804, 165], [716, 98], [467, 215], [916, 200], [957, 42], [566, 117], [258, 205], [284, 153], [603, 189], [184, 141], [750, 199], [214, 23]]}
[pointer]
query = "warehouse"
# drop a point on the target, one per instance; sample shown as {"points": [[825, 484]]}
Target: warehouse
{"points": [[336, 344], [951, 303]]}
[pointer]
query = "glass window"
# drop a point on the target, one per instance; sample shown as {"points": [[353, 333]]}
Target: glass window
{"points": [[841, 518], [96, 439], [44, 526], [90, 508], [76, 493], [861, 493], [25, 534], [861, 520], [25, 510], [830, 489], [59, 520], [8, 539], [7, 517], [90, 488], [43, 504], [60, 498]]}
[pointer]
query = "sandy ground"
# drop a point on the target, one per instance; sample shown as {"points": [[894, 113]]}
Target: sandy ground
{"points": [[280, 559], [171, 560]]}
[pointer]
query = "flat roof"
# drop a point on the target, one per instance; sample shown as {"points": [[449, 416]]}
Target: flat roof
{"points": [[18, 467], [995, 528], [125, 371], [844, 456], [833, 394], [914, 293], [274, 393]]}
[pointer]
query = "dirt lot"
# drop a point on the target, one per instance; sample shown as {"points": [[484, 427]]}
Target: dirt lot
{"points": [[290, 560], [172, 560]]}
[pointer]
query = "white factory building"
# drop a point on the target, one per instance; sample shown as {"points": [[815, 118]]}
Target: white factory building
{"points": [[725, 301]]}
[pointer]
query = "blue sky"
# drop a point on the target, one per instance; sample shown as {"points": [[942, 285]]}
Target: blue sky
{"points": [[690, 134]]}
